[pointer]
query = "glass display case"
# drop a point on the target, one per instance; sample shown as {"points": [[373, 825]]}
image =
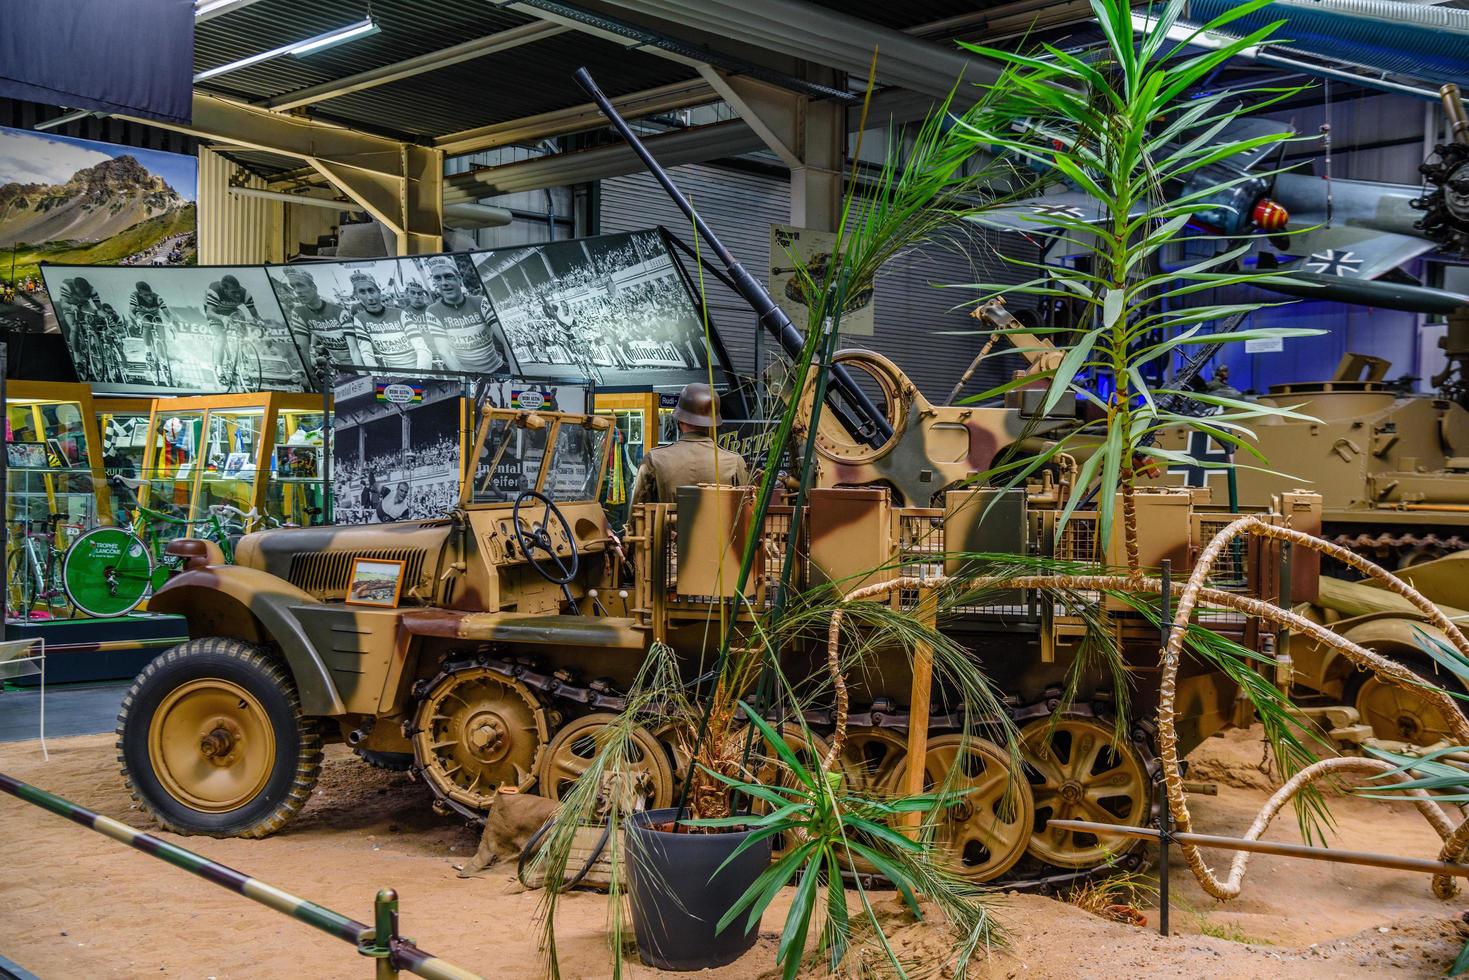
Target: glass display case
{"points": [[53, 452], [54, 483], [123, 425], [636, 426], [257, 452]]}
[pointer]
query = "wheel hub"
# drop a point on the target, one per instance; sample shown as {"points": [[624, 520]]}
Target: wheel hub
{"points": [[211, 745], [485, 734], [478, 730], [222, 740], [1071, 791]]}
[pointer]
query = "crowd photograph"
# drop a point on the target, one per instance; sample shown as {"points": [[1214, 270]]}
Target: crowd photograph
{"points": [[396, 462], [612, 309]]}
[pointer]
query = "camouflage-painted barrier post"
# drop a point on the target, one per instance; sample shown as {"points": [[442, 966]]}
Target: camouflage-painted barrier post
{"points": [[392, 953]]}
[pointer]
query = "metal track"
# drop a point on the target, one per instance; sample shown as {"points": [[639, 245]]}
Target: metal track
{"points": [[566, 696]]}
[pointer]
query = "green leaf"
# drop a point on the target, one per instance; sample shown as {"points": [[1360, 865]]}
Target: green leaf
{"points": [[778, 743], [889, 870], [1112, 302], [885, 833], [1070, 364], [1460, 966], [1110, 483], [764, 888], [798, 923]]}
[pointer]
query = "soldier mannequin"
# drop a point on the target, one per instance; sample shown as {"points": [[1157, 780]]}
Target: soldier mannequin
{"points": [[694, 458]]}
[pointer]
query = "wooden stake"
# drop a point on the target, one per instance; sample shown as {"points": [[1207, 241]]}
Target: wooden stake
{"points": [[919, 699]]}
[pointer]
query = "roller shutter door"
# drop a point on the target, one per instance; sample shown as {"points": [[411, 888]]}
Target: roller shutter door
{"points": [[914, 315]]}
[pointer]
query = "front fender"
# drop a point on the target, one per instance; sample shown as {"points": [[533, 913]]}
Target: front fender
{"points": [[255, 606]]}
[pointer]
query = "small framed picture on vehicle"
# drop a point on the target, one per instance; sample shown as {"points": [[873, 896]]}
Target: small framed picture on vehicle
{"points": [[375, 582]]}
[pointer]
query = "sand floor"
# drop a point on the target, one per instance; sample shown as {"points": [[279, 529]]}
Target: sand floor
{"points": [[80, 905]]}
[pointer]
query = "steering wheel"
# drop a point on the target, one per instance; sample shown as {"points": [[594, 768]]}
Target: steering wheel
{"points": [[539, 539]]}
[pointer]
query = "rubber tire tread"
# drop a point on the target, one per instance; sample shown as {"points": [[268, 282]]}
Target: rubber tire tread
{"points": [[291, 781]]}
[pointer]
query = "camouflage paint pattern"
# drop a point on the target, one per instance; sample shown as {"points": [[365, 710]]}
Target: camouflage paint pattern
{"points": [[933, 448], [1373, 456], [403, 954]]}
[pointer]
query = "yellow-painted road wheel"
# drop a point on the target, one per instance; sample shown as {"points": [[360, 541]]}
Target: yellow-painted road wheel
{"points": [[1396, 714], [986, 832], [213, 741], [1077, 772], [211, 745], [574, 748], [478, 730]]}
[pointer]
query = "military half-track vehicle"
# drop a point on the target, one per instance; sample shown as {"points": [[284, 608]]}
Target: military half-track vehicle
{"points": [[523, 620], [1392, 470]]}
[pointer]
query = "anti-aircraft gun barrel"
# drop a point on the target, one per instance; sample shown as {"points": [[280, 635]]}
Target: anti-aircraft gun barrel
{"points": [[872, 424]]}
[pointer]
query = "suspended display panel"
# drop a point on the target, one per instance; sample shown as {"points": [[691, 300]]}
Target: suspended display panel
{"points": [[65, 200], [613, 309], [410, 314], [397, 448], [217, 329]]}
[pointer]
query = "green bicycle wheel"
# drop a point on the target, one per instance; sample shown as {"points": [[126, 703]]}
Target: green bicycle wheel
{"points": [[106, 572]]}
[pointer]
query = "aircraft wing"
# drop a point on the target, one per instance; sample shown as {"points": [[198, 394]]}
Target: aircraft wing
{"points": [[1351, 252], [1039, 214]]}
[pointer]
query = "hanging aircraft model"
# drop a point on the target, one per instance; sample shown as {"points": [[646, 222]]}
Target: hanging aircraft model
{"points": [[1337, 237]]}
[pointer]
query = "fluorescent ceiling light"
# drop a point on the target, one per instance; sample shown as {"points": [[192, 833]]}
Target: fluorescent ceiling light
{"points": [[312, 44], [208, 9]]}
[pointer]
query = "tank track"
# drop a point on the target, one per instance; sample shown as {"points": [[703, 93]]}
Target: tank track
{"points": [[1399, 549], [566, 696]]}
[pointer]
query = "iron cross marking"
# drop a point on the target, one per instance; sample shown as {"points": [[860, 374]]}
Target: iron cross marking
{"points": [[1334, 262], [1203, 449], [1059, 211]]}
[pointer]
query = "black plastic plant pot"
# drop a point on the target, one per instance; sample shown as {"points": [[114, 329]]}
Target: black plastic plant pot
{"points": [[677, 899]]}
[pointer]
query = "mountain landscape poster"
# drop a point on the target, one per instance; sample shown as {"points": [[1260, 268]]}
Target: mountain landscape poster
{"points": [[79, 202]]}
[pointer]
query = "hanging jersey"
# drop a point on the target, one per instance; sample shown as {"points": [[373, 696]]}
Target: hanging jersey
{"points": [[394, 337], [469, 336], [328, 325]]}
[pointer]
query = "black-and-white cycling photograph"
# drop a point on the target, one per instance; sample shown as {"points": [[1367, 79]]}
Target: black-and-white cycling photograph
{"points": [[396, 448], [201, 329], [425, 313], [612, 309]]}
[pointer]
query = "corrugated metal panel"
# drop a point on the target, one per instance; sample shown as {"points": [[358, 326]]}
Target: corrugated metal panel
{"points": [[235, 230], [511, 84], [913, 313]]}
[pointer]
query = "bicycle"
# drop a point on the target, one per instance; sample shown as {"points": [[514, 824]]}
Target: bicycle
{"points": [[34, 569]]}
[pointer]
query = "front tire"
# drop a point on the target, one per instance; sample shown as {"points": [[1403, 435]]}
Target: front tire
{"points": [[212, 740]]}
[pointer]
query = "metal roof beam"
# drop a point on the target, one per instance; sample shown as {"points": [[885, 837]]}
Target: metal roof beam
{"points": [[695, 145], [827, 37], [409, 67], [574, 119], [400, 184]]}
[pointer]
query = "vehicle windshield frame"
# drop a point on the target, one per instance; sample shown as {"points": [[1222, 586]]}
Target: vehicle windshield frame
{"points": [[552, 423]]}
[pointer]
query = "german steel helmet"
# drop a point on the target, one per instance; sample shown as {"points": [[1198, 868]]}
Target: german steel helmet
{"points": [[698, 405]]}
